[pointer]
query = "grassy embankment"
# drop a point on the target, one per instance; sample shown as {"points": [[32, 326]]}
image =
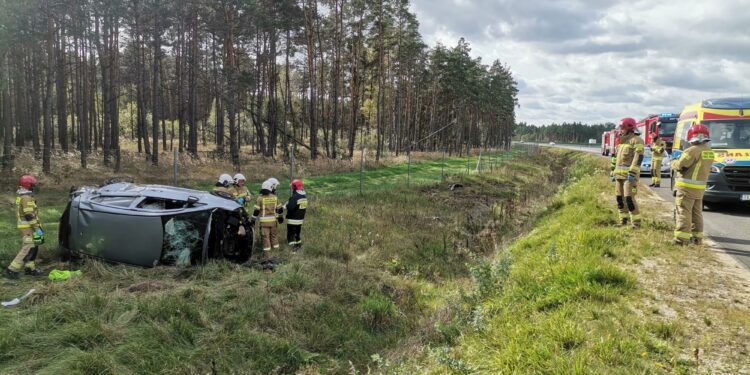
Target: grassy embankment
{"points": [[567, 298], [375, 277]]}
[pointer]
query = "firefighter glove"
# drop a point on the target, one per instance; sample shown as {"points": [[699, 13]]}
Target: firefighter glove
{"points": [[29, 217], [280, 219], [241, 201], [631, 178]]}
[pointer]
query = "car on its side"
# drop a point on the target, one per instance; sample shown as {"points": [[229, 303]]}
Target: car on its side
{"points": [[148, 225]]}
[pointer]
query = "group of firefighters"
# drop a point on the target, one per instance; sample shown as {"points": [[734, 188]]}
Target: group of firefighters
{"points": [[692, 168], [267, 211]]}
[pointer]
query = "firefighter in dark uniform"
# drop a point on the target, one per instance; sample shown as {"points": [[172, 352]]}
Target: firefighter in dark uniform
{"points": [[295, 215]]}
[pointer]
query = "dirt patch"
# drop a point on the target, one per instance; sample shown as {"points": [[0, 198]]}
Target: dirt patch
{"points": [[702, 290], [147, 286]]}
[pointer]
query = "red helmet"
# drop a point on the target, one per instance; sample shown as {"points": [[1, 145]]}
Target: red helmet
{"points": [[297, 185], [698, 133], [27, 182], [627, 124]]}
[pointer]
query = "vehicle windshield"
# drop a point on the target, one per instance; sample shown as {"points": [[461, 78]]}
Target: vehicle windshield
{"points": [[730, 134], [666, 129]]}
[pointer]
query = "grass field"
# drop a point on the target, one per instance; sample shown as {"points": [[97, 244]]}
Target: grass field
{"points": [[372, 281], [561, 300]]}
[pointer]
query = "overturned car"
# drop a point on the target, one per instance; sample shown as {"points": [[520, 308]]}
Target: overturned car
{"points": [[147, 225]]}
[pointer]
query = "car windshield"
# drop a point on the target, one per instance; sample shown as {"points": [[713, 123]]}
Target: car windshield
{"points": [[667, 129], [730, 134]]}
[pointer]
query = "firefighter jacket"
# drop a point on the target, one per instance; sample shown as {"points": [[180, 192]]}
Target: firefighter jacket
{"points": [[657, 150], [267, 207], [296, 207], [629, 156], [693, 169], [223, 189], [27, 213], [242, 195]]}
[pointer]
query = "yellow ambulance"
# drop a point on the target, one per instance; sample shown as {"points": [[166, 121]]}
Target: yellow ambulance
{"points": [[729, 122]]}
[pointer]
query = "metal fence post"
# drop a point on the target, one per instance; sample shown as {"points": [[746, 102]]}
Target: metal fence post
{"points": [[362, 163], [291, 165], [174, 168], [442, 167], [408, 168]]}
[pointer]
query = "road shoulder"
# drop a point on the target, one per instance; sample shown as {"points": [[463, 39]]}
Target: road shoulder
{"points": [[701, 291]]}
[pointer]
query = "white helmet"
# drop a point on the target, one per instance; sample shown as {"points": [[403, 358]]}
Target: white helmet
{"points": [[225, 179], [238, 177], [271, 184]]}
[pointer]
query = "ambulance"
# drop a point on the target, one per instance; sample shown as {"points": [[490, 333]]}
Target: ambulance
{"points": [[729, 122]]}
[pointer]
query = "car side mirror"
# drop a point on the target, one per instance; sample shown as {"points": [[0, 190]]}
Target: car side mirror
{"points": [[192, 200]]}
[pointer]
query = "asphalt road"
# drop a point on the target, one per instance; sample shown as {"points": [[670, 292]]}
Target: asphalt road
{"points": [[727, 225]]}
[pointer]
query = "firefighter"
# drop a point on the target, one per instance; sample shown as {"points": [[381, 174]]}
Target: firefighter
{"points": [[241, 193], [295, 215], [267, 211], [693, 169], [224, 184], [627, 172], [32, 235], [657, 155]]}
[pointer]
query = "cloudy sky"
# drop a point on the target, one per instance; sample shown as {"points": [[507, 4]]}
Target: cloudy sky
{"points": [[600, 60]]}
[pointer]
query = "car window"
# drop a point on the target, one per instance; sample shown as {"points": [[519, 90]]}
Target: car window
{"points": [[114, 201], [161, 204]]}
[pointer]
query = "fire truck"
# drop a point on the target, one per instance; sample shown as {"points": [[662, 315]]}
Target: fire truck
{"points": [[605, 143], [663, 125]]}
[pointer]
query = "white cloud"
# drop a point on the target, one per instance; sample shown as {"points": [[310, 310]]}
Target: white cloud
{"points": [[601, 60]]}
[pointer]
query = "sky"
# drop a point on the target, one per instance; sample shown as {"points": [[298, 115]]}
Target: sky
{"points": [[598, 61]]}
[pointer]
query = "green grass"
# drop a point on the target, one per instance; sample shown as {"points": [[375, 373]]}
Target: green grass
{"points": [[374, 275], [392, 177], [558, 300]]}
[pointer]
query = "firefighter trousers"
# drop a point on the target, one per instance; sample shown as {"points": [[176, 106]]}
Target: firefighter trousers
{"points": [[26, 257], [689, 218], [656, 172], [626, 203], [293, 234], [270, 234]]}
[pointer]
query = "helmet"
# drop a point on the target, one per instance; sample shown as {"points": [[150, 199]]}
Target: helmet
{"points": [[225, 179], [239, 177], [27, 182], [698, 133], [297, 185], [271, 184], [627, 124], [274, 183]]}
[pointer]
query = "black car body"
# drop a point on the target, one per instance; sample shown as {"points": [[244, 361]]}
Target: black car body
{"points": [[146, 225]]}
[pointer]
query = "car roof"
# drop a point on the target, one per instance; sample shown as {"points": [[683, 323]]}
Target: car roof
{"points": [[204, 200]]}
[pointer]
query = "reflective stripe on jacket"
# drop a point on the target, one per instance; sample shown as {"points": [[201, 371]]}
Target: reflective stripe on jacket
{"points": [[629, 154], [26, 205], [266, 207], [657, 150], [693, 167], [296, 208]]}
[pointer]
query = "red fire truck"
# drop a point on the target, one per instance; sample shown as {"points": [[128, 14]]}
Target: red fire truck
{"points": [[663, 124], [605, 143], [610, 141]]}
